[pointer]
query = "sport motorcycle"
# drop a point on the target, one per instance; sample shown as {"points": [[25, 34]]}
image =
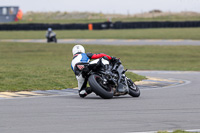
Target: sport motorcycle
{"points": [[107, 78]]}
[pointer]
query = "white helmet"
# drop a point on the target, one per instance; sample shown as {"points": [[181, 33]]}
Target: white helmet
{"points": [[49, 29], [78, 48]]}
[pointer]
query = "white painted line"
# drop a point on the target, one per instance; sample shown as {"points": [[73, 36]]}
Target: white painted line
{"points": [[193, 130], [172, 86], [28, 93], [170, 131]]}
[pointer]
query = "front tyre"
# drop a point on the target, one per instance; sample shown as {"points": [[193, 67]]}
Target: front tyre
{"points": [[55, 39], [96, 83], [134, 91], [48, 40]]}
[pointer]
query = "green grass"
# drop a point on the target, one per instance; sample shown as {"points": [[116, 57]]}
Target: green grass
{"points": [[177, 131], [87, 17], [32, 66], [60, 21], [37, 66], [162, 33], [127, 19]]}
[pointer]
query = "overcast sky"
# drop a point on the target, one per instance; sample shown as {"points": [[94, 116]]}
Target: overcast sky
{"points": [[105, 6]]}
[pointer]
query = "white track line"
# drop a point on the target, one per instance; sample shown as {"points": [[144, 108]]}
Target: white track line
{"points": [[170, 131]]}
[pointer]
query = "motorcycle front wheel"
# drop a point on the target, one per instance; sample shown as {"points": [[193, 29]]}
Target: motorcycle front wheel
{"points": [[134, 91], [55, 40], [105, 91]]}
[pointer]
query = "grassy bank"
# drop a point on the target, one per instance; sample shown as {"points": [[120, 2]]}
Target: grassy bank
{"points": [[29, 66], [38, 66], [89, 17], [161, 33], [177, 131]]}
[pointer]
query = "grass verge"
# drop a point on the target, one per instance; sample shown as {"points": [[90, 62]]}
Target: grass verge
{"points": [[160, 33], [33, 66], [176, 131], [38, 67], [89, 17]]}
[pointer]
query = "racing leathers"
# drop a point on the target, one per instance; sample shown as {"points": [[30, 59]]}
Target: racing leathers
{"points": [[84, 58]]}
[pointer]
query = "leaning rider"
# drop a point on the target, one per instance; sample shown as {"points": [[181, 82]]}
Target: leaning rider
{"points": [[79, 56], [50, 33]]}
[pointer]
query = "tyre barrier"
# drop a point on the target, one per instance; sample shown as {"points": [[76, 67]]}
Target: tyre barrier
{"points": [[101, 26], [34, 26], [135, 25]]}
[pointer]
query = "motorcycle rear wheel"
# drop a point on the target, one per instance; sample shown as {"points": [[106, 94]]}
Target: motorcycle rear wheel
{"points": [[105, 92], [134, 91]]}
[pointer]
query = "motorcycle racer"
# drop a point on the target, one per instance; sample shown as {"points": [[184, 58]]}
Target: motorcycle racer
{"points": [[79, 56], [51, 36]]}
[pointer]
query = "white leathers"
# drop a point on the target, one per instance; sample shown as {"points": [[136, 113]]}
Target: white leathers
{"points": [[79, 58], [80, 80]]}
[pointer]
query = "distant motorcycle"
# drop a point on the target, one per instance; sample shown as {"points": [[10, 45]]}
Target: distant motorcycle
{"points": [[51, 37], [108, 79]]}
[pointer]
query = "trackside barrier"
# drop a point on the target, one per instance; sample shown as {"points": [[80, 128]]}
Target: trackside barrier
{"points": [[34, 26], [135, 25], [101, 26]]}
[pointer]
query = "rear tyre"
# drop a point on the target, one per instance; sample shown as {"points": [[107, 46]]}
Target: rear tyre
{"points": [[96, 83], [134, 91]]}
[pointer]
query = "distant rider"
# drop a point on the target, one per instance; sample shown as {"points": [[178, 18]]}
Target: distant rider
{"points": [[79, 56], [51, 36]]}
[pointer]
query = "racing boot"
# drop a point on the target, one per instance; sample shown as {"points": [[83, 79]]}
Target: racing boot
{"points": [[84, 92]]}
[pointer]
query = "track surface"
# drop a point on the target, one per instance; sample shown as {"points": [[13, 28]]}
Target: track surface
{"points": [[168, 108], [112, 41]]}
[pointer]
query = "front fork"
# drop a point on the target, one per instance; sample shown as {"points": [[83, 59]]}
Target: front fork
{"points": [[122, 88]]}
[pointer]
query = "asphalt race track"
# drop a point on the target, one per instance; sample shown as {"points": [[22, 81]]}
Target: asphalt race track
{"points": [[112, 41], [167, 108], [161, 108]]}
